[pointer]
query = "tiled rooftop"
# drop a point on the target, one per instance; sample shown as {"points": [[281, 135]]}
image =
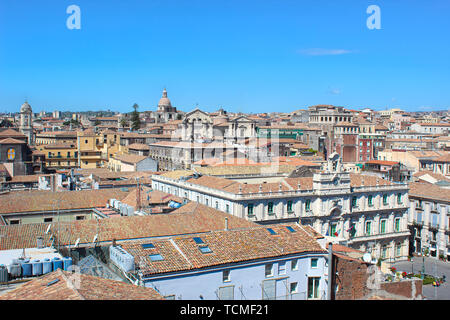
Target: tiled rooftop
{"points": [[285, 184], [129, 158], [228, 246], [61, 285], [150, 197], [430, 191], [190, 218], [32, 201]]}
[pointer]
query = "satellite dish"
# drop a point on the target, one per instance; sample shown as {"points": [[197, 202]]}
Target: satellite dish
{"points": [[367, 257]]}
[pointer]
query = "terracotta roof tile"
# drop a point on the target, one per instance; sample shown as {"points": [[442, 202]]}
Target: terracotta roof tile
{"points": [[229, 246], [129, 158], [11, 141], [190, 218], [90, 288], [17, 202], [430, 191]]}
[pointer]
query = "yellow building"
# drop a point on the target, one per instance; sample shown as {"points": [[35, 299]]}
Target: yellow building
{"points": [[90, 148], [56, 137], [60, 155]]}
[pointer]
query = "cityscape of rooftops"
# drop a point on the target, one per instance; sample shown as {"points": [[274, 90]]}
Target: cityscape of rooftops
{"points": [[202, 151]]}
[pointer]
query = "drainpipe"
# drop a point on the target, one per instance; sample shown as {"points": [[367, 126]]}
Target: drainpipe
{"points": [[330, 270]]}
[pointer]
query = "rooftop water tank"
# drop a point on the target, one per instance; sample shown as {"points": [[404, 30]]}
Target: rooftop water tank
{"points": [[67, 261], [27, 268], [121, 258], [3, 273], [47, 266], [15, 270], [57, 263], [37, 267], [130, 211], [17, 260]]}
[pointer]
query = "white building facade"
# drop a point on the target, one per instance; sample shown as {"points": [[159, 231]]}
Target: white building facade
{"points": [[364, 212]]}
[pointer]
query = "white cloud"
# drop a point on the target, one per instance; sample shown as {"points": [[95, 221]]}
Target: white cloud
{"points": [[335, 91], [323, 52]]}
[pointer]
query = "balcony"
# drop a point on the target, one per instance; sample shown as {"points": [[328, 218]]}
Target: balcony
{"points": [[378, 236]]}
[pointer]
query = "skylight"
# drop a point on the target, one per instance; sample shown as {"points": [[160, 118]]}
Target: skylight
{"points": [[205, 249], [271, 231], [156, 257], [52, 282], [198, 240], [290, 229], [147, 245]]}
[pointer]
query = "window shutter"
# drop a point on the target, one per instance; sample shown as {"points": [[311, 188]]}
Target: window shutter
{"points": [[226, 293], [434, 219], [268, 287]]}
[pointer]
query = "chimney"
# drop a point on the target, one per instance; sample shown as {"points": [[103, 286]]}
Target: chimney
{"points": [[40, 243], [54, 182], [226, 224]]}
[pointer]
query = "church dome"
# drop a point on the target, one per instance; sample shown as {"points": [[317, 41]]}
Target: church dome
{"points": [[164, 101], [25, 108]]}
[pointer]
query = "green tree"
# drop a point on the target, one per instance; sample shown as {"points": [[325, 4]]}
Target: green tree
{"points": [[5, 123], [135, 121], [123, 122]]}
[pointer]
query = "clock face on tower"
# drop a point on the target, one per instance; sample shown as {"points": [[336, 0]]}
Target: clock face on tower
{"points": [[11, 154]]}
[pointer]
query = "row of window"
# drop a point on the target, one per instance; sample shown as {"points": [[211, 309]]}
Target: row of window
{"points": [[46, 220], [397, 251], [368, 230], [269, 268], [370, 200], [269, 292], [289, 207]]}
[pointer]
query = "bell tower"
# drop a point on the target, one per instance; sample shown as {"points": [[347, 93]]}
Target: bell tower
{"points": [[26, 118]]}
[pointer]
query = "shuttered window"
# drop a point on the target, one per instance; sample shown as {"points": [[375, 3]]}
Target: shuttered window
{"points": [[268, 290], [383, 226], [368, 228], [397, 224], [270, 207], [370, 200], [434, 219], [354, 202], [313, 288], [226, 293]]}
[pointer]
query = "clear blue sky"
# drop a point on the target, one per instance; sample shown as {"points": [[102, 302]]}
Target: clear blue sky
{"points": [[249, 56]]}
